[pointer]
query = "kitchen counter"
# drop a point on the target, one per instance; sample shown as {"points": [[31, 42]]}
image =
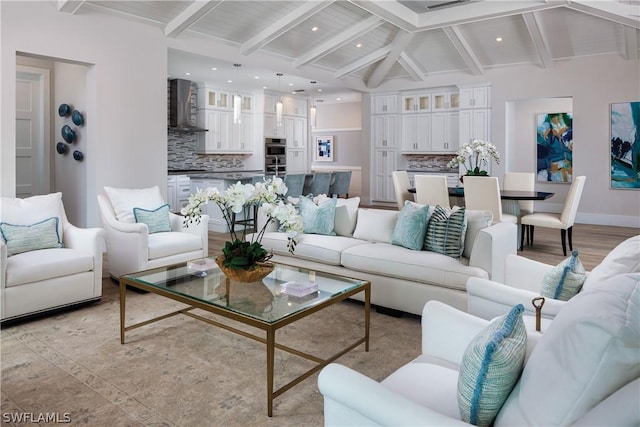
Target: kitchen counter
{"points": [[228, 175], [433, 170]]}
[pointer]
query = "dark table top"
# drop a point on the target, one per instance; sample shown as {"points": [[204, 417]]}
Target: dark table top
{"points": [[504, 194]]}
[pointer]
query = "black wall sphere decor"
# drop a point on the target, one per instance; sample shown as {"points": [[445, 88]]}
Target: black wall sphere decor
{"points": [[61, 148], [64, 110], [68, 134], [76, 118], [78, 155]]}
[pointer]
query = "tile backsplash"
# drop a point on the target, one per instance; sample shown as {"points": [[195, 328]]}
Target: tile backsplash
{"points": [[424, 161]]}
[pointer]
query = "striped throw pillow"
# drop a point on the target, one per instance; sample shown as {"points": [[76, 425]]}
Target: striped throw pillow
{"points": [[25, 238], [157, 220], [446, 231], [565, 280], [490, 368]]}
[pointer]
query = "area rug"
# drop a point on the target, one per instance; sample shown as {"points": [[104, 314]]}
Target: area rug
{"points": [[71, 367]]}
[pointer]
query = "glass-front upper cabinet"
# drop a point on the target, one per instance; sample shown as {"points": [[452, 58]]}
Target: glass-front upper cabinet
{"points": [[443, 101], [416, 103]]}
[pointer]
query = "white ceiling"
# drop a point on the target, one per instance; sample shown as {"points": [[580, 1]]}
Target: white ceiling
{"points": [[405, 41]]}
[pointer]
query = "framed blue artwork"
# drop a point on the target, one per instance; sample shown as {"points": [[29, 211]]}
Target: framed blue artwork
{"points": [[324, 149], [625, 145], [554, 147]]}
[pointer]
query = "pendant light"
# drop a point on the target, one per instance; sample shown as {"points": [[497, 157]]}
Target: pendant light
{"points": [[237, 100], [279, 105], [313, 111]]}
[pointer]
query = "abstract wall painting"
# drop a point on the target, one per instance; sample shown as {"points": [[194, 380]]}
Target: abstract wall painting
{"points": [[324, 149], [625, 145], [554, 147]]}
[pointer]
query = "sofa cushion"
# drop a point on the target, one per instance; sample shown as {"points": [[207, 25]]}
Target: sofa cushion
{"points": [[123, 200], [446, 231], [476, 221], [25, 238], [346, 216], [375, 225], [51, 263], [33, 209], [418, 266], [411, 226], [314, 247], [624, 258], [166, 244], [318, 219], [590, 350], [157, 220], [565, 280], [490, 367]]}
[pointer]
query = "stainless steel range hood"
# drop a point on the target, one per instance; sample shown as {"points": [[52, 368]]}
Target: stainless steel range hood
{"points": [[180, 107]]}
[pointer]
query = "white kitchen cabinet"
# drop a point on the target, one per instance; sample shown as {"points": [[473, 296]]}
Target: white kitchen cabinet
{"points": [[475, 97], [270, 102], [474, 124], [271, 129], [171, 192], [444, 101], [216, 219], [213, 98], [445, 132], [218, 138], [295, 131], [178, 191], [384, 131], [242, 135], [384, 162], [416, 103], [295, 106], [296, 160], [384, 104], [416, 133]]}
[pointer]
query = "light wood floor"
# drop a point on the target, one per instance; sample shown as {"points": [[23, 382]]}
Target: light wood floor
{"points": [[593, 242]]}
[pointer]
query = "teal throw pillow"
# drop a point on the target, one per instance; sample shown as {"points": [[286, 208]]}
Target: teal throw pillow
{"points": [[446, 231], [157, 220], [565, 280], [411, 226], [491, 366], [25, 238], [318, 219]]}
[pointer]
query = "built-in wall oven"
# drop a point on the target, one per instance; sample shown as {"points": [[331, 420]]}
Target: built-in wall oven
{"points": [[275, 153]]}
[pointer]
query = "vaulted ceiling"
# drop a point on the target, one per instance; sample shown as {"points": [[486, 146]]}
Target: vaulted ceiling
{"points": [[362, 43]]}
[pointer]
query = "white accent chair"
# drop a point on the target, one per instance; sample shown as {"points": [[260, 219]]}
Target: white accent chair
{"points": [[582, 371], [483, 194], [401, 188], [519, 181], [563, 221], [130, 246], [44, 279], [523, 279], [432, 190]]}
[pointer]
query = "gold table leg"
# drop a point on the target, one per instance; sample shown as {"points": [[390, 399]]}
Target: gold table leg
{"points": [[271, 341]]}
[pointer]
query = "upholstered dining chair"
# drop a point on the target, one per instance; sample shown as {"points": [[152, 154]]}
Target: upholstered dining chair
{"points": [[320, 183], [432, 190], [340, 184], [483, 193], [401, 188], [295, 184], [520, 181], [563, 221], [157, 238]]}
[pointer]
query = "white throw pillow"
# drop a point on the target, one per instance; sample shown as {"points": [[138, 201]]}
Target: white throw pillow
{"points": [[32, 210], [124, 200], [624, 258], [375, 225], [476, 221], [346, 216]]}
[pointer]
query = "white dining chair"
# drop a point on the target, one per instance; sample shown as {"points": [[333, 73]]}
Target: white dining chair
{"points": [[519, 181], [483, 193], [564, 220], [401, 188], [432, 190]]}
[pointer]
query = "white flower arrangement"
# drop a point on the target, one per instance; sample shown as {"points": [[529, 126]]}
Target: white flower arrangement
{"points": [[475, 156], [239, 198]]}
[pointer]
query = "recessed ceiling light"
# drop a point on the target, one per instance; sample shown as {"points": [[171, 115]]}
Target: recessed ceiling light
{"points": [[187, 74], [214, 69], [290, 84], [359, 45], [314, 29], [338, 99], [264, 87], [319, 90], [256, 77], [498, 39], [229, 81]]}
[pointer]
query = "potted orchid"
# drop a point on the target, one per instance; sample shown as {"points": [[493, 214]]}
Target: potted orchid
{"points": [[241, 253], [475, 157]]}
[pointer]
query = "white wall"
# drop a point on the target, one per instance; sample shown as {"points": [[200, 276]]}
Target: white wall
{"points": [[126, 142]]}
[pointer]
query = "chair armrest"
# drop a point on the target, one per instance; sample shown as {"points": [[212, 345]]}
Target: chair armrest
{"points": [[351, 398], [488, 299], [90, 240], [3, 264], [524, 273], [491, 246], [200, 229], [447, 331]]}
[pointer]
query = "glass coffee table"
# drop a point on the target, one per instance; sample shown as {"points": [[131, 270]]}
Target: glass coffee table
{"points": [[260, 304]]}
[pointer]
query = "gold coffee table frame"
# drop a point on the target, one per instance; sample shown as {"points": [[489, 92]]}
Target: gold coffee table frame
{"points": [[269, 328]]}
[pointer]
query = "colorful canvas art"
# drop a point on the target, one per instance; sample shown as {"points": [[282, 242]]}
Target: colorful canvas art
{"points": [[625, 145], [324, 148], [554, 147]]}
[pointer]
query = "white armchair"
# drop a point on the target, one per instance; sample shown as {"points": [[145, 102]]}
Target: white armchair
{"points": [[130, 246], [38, 276], [583, 370]]}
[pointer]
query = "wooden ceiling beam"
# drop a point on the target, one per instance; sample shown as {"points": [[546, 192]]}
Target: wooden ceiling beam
{"points": [[398, 45], [622, 13], [365, 61], [464, 49], [630, 43], [69, 6], [189, 16], [411, 67], [282, 25], [538, 39]]}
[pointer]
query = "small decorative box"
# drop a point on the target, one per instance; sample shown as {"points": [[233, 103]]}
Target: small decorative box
{"points": [[201, 267], [298, 289]]}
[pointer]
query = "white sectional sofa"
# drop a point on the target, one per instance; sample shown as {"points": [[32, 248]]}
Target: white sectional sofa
{"points": [[401, 279]]}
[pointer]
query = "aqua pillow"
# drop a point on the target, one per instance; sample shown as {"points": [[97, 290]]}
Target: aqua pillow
{"points": [[446, 231], [317, 219], [565, 280], [25, 238], [491, 366], [157, 220], [411, 226]]}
